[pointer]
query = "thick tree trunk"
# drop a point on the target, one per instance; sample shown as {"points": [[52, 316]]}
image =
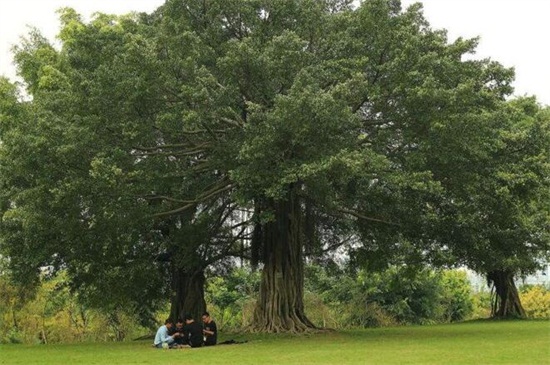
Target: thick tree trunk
{"points": [[505, 301], [187, 293], [280, 307]]}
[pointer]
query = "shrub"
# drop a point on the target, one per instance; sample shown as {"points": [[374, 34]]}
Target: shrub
{"points": [[536, 301], [481, 303], [457, 301], [318, 312], [398, 295], [54, 315], [230, 299]]}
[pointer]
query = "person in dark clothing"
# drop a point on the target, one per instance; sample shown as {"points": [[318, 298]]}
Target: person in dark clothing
{"points": [[192, 332], [179, 339], [210, 330]]}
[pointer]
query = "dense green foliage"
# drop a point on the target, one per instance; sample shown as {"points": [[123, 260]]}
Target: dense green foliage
{"points": [[154, 147], [394, 296], [333, 299], [336, 299], [536, 301], [53, 315], [231, 298]]}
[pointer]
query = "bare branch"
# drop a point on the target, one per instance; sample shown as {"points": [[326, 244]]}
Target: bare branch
{"points": [[172, 146], [232, 122], [363, 217], [167, 198], [205, 196]]}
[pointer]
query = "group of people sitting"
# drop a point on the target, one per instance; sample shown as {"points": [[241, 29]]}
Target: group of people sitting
{"points": [[187, 332]]}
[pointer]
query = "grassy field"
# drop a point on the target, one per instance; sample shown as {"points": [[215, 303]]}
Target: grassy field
{"points": [[483, 343]]}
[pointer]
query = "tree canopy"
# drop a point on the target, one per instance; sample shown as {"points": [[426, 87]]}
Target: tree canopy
{"points": [[154, 145]]}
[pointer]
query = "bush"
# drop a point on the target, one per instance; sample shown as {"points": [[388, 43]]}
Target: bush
{"points": [[54, 315], [398, 295], [318, 312], [457, 300], [230, 299], [481, 305], [536, 301]]}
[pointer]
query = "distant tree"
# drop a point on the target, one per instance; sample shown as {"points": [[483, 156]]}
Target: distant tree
{"points": [[499, 217]]}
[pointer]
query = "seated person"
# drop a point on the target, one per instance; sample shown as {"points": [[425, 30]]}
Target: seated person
{"points": [[192, 332], [210, 330], [179, 330], [162, 338]]}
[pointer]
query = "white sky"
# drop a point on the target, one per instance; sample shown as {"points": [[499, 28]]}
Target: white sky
{"points": [[513, 32]]}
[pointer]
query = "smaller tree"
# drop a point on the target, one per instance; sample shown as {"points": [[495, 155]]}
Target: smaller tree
{"points": [[495, 213]]}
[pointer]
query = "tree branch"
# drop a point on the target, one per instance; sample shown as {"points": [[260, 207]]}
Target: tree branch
{"points": [[363, 217], [203, 197]]}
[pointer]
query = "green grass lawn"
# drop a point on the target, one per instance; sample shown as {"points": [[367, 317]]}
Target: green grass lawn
{"points": [[484, 342]]}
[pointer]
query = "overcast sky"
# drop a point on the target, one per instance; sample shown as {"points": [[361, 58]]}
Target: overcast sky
{"points": [[513, 32]]}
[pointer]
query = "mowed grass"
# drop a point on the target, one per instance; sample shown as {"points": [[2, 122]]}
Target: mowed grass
{"points": [[483, 342]]}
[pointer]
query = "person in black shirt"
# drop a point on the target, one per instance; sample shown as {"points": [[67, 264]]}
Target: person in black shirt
{"points": [[180, 340], [210, 330], [192, 332]]}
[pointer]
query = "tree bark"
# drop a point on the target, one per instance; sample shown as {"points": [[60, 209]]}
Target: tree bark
{"points": [[280, 307], [187, 293], [505, 301]]}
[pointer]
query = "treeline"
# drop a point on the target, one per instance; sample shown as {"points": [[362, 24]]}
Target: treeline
{"points": [[333, 299]]}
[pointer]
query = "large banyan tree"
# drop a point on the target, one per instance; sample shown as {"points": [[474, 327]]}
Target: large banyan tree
{"points": [[148, 134]]}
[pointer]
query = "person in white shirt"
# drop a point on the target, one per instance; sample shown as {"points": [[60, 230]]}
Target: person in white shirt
{"points": [[162, 338]]}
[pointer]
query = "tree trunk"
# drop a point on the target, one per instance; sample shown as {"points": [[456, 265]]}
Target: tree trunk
{"points": [[505, 301], [280, 307], [187, 293]]}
